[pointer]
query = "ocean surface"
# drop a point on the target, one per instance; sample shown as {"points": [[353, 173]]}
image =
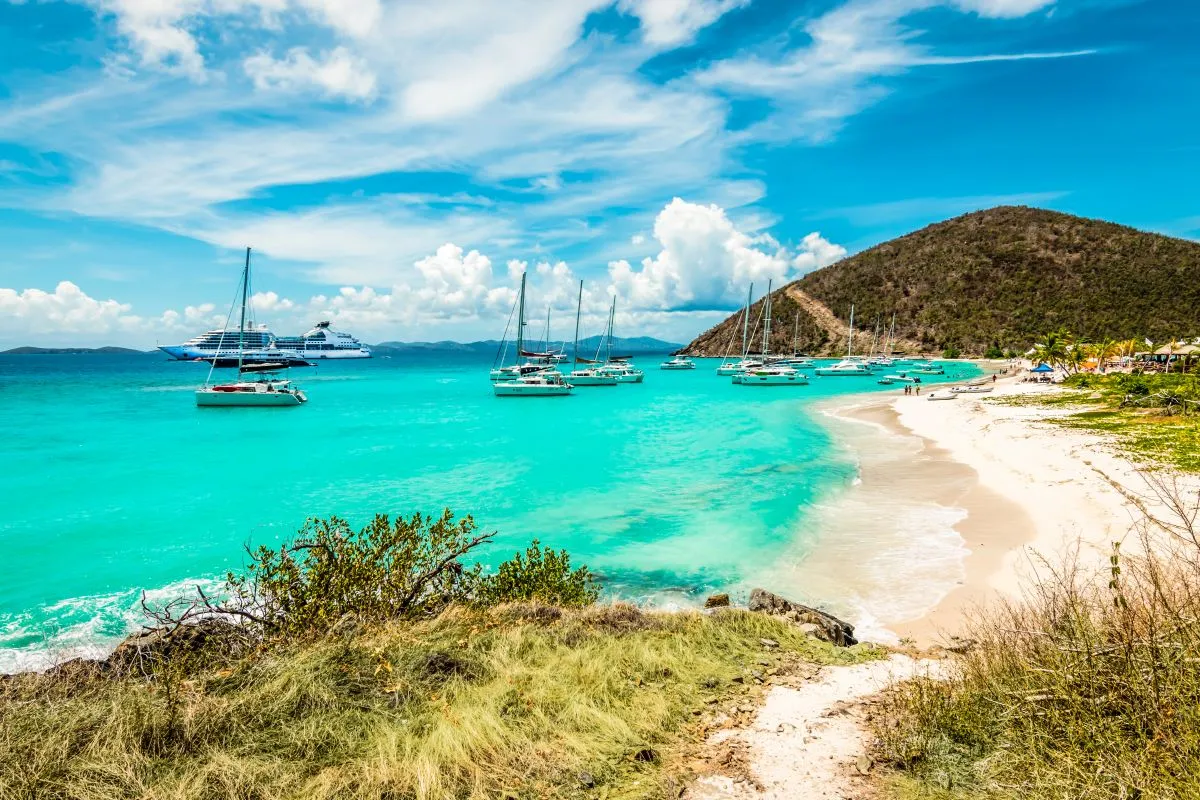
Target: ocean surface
{"points": [[114, 483]]}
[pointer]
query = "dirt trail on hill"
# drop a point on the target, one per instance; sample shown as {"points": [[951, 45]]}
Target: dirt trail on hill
{"points": [[834, 327]]}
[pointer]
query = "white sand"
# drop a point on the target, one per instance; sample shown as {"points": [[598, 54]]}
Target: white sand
{"points": [[805, 743], [1062, 478]]}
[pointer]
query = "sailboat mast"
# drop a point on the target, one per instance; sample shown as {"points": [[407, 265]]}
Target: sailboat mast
{"points": [[612, 318], [892, 336], [850, 341], [795, 332], [746, 321], [578, 308], [242, 326], [521, 321], [767, 323]]}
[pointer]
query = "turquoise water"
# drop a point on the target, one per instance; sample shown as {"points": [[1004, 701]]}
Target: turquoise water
{"points": [[114, 482]]}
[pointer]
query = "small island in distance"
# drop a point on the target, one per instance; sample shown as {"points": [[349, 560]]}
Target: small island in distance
{"points": [[625, 346]]}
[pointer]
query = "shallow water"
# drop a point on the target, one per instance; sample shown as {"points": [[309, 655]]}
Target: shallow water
{"points": [[114, 481]]}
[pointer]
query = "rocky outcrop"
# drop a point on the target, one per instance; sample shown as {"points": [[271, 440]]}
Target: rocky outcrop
{"points": [[827, 626]]}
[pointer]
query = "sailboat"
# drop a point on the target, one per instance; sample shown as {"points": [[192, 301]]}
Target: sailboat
{"points": [[587, 376], [256, 385], [533, 362], [617, 366], [746, 362], [849, 366], [770, 375], [527, 380], [796, 361]]}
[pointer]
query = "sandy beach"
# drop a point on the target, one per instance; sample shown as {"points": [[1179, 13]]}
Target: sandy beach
{"points": [[1023, 489]]}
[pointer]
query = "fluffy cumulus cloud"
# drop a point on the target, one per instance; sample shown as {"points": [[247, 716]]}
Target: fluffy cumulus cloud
{"points": [[450, 284], [68, 309], [706, 262], [337, 73], [815, 251]]}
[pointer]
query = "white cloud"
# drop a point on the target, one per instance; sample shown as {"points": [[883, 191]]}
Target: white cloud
{"points": [[265, 302], [674, 22], [67, 309], [1002, 8], [706, 262], [816, 87], [816, 251], [337, 73]]}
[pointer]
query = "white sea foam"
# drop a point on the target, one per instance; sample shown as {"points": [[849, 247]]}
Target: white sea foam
{"points": [[82, 627], [877, 551]]}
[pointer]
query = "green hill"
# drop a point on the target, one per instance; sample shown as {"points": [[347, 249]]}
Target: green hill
{"points": [[1005, 275]]}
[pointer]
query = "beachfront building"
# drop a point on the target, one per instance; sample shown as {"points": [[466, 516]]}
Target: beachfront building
{"points": [[1174, 357]]}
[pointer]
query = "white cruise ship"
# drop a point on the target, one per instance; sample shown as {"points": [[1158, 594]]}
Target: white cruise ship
{"points": [[320, 342], [323, 342]]}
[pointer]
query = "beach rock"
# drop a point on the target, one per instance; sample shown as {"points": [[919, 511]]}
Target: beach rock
{"points": [[960, 645], [830, 628], [717, 601], [768, 643], [586, 780]]}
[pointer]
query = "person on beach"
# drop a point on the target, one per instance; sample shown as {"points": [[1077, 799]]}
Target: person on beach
{"points": [[918, 390]]}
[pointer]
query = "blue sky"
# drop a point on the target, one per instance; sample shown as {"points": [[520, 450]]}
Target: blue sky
{"points": [[396, 165]]}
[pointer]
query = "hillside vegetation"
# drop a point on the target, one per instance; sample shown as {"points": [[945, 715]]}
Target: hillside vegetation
{"points": [[1002, 277]]}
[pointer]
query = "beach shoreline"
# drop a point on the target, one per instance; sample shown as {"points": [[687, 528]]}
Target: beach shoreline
{"points": [[1023, 488]]}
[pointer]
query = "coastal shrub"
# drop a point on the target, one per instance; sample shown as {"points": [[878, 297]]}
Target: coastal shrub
{"points": [[1086, 689], [995, 351], [404, 568], [540, 574], [951, 351]]}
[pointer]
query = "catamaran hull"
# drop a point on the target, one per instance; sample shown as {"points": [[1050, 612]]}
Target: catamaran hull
{"points": [[832, 373], [750, 379], [212, 398], [677, 366], [727, 371], [631, 378], [591, 380], [515, 389]]}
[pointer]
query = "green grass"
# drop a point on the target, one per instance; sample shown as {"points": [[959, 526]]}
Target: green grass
{"points": [[515, 702], [1124, 408]]}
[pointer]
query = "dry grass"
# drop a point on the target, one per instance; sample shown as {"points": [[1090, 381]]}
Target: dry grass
{"points": [[517, 702], [1090, 688]]}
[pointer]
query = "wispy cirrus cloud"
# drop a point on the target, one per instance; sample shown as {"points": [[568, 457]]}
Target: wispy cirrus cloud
{"points": [[816, 86]]}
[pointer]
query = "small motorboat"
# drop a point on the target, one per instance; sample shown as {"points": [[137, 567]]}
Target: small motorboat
{"points": [[941, 396], [971, 389], [678, 362]]}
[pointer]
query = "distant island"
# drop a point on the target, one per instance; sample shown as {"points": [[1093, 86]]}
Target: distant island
{"points": [[74, 351], [630, 346], [621, 346]]}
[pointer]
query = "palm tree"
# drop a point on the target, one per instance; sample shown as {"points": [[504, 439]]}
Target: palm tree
{"points": [[1054, 349], [1103, 351]]}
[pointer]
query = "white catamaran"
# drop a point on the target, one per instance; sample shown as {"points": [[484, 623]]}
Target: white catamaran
{"points": [[262, 389], [728, 367], [770, 374], [586, 376], [849, 366], [617, 366], [520, 381]]}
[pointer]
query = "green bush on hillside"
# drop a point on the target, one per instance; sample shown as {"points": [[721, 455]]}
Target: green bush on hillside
{"points": [[540, 574], [391, 569]]}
